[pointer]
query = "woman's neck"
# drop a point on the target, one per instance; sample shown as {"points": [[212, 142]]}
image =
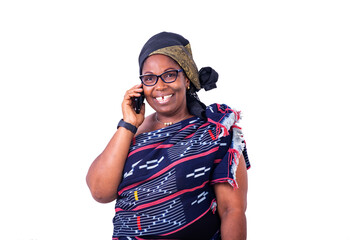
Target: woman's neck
{"points": [[167, 121]]}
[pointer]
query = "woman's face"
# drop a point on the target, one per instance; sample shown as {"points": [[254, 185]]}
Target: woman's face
{"points": [[168, 99]]}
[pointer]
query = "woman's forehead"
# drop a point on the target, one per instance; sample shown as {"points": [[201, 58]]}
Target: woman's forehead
{"points": [[159, 60]]}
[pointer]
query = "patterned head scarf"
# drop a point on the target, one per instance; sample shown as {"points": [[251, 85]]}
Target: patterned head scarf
{"points": [[178, 48]]}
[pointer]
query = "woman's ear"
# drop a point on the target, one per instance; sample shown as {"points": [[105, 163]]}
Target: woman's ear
{"points": [[187, 81]]}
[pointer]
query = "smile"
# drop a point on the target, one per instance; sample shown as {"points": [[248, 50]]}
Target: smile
{"points": [[164, 99]]}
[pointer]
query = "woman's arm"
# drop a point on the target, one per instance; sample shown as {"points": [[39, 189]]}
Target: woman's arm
{"points": [[105, 173], [232, 205]]}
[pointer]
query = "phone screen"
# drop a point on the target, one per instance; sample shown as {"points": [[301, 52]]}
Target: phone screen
{"points": [[137, 102]]}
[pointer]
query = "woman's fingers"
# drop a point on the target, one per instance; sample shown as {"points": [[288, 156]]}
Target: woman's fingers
{"points": [[128, 111], [135, 91]]}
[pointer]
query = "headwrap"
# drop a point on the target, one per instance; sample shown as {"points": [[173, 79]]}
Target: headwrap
{"points": [[178, 48]]}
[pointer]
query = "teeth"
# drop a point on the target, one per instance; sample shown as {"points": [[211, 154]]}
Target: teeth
{"points": [[163, 98]]}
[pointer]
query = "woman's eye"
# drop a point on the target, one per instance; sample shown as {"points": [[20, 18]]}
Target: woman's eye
{"points": [[148, 78], [169, 75]]}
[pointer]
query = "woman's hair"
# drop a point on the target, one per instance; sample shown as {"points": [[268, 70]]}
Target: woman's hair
{"points": [[178, 48]]}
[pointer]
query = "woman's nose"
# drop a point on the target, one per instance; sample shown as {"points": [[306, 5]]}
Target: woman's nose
{"points": [[160, 85]]}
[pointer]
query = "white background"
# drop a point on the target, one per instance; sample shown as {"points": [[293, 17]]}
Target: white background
{"points": [[290, 66]]}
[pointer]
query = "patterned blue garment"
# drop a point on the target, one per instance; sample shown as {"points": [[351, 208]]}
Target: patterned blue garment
{"points": [[166, 191]]}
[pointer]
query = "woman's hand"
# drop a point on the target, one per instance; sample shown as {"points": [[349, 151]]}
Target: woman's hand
{"points": [[129, 114]]}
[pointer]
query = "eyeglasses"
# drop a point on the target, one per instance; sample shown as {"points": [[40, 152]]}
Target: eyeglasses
{"points": [[167, 77]]}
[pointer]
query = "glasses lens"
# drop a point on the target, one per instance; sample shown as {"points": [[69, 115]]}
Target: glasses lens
{"points": [[169, 76], [149, 79]]}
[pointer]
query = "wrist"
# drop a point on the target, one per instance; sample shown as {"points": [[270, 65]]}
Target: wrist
{"points": [[127, 125]]}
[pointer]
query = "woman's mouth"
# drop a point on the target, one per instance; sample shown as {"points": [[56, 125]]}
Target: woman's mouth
{"points": [[164, 99]]}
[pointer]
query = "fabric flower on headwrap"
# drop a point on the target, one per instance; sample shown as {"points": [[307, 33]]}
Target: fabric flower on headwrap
{"points": [[178, 48]]}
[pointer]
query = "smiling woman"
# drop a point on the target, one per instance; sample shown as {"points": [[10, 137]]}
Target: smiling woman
{"points": [[168, 99], [181, 172]]}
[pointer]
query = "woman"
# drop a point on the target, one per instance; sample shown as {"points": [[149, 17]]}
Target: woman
{"points": [[179, 173]]}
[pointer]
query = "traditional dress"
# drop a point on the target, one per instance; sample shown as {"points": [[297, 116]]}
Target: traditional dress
{"points": [[167, 186]]}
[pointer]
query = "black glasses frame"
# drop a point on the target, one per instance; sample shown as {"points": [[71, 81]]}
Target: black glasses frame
{"points": [[157, 77]]}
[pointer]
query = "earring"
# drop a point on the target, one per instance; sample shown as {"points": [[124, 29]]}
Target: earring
{"points": [[188, 87]]}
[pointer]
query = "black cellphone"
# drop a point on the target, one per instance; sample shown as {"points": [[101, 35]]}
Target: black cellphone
{"points": [[138, 102]]}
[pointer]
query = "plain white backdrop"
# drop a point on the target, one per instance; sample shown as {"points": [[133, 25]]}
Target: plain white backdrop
{"points": [[292, 67]]}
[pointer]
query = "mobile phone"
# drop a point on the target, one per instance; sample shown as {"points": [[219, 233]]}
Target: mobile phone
{"points": [[138, 102]]}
